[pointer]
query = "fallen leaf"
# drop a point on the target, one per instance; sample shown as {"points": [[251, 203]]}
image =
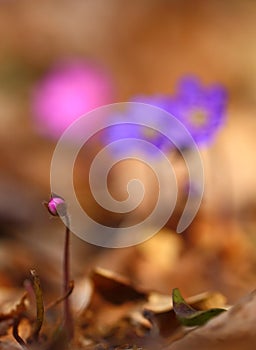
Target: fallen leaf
{"points": [[187, 315], [114, 288], [233, 329]]}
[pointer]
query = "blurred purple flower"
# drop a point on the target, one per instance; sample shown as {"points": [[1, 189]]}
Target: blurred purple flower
{"points": [[201, 110], [69, 90], [151, 135], [118, 132], [127, 128]]}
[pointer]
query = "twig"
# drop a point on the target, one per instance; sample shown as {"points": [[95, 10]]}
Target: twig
{"points": [[63, 297], [19, 312], [15, 333]]}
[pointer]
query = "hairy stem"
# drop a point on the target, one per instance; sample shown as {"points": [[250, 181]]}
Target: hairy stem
{"points": [[68, 319]]}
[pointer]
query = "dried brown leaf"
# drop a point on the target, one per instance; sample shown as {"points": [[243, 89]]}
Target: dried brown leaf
{"points": [[114, 288]]}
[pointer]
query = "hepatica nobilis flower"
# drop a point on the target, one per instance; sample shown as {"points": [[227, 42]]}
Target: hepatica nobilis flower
{"points": [[133, 131], [150, 134], [201, 110], [67, 91]]}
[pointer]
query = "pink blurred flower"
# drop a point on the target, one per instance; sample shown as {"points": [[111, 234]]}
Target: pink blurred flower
{"points": [[69, 90]]}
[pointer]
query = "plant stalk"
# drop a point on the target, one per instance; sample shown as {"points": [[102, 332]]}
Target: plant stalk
{"points": [[68, 319]]}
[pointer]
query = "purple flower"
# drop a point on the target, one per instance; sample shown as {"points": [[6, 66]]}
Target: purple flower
{"points": [[137, 123], [201, 110], [69, 90], [149, 134], [121, 131]]}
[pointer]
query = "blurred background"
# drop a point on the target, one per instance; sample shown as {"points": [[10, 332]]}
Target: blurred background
{"points": [[120, 49]]}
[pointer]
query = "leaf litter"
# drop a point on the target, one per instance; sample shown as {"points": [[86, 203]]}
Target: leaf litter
{"points": [[113, 311]]}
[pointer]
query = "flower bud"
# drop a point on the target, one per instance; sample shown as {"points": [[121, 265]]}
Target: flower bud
{"points": [[57, 206]]}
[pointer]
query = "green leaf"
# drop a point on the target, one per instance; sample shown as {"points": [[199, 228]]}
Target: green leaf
{"points": [[187, 315]]}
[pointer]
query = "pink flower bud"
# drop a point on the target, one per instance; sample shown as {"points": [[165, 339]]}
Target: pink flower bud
{"points": [[57, 206]]}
